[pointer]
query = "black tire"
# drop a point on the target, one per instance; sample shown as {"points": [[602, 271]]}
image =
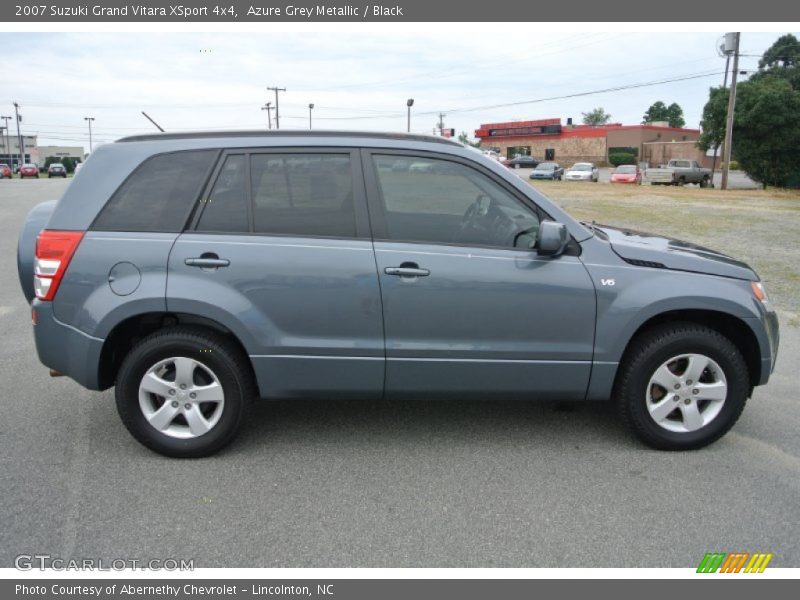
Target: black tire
{"points": [[230, 365], [704, 182], [648, 352]]}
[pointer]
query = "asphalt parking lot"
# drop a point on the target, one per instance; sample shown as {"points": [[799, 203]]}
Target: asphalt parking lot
{"points": [[737, 180], [368, 484]]}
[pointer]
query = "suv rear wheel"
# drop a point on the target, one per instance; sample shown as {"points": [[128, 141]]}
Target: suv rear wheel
{"points": [[183, 392], [682, 386]]}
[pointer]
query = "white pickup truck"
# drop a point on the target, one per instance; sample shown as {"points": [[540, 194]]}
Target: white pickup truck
{"points": [[678, 172]]}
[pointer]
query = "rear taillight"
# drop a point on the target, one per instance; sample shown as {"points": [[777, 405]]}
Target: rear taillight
{"points": [[54, 250]]}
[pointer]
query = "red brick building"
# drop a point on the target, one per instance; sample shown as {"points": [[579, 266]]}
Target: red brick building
{"points": [[549, 139]]}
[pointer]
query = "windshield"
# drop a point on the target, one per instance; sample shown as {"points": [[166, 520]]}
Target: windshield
{"points": [[626, 169], [581, 167], [546, 167]]}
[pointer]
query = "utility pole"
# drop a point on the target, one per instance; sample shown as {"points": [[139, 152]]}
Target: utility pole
{"points": [[716, 148], [441, 123], [277, 110], [21, 143], [310, 108], [726, 154], [89, 119], [268, 107], [409, 104]]}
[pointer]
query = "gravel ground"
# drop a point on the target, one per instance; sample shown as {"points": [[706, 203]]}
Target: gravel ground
{"points": [[759, 227]]}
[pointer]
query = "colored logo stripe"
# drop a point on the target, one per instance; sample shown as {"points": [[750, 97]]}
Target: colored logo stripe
{"points": [[734, 562], [758, 563], [711, 562]]}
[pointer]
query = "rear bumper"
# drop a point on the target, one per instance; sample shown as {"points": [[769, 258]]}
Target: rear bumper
{"points": [[66, 349]]}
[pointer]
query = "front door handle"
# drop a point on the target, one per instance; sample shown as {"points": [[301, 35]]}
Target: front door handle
{"points": [[407, 269], [207, 262]]}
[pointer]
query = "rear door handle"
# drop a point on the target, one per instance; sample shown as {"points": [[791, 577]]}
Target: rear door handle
{"points": [[207, 262], [407, 270]]}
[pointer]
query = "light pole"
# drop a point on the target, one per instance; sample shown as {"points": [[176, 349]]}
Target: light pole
{"points": [[5, 142], [8, 141], [731, 47], [268, 107], [310, 108], [89, 119], [20, 141], [409, 104]]}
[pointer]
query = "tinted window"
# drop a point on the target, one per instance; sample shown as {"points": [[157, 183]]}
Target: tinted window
{"points": [[225, 209], [158, 195], [303, 194], [438, 201]]}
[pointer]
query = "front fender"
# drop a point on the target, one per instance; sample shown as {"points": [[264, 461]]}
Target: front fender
{"points": [[629, 296]]}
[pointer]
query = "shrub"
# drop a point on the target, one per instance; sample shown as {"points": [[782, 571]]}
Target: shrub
{"points": [[623, 150], [621, 158], [734, 165]]}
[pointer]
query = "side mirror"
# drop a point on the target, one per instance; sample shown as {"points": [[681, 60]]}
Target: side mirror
{"points": [[552, 238]]}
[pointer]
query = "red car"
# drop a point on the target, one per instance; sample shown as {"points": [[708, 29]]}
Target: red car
{"points": [[28, 171], [626, 174], [5, 171]]}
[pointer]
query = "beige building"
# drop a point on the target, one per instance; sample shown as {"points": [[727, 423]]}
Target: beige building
{"points": [[10, 150], [548, 139]]}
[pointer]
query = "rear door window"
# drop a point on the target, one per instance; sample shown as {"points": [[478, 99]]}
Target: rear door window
{"points": [[225, 208], [159, 195], [303, 194]]}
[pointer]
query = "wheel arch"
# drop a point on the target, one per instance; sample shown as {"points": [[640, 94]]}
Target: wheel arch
{"points": [[125, 334], [731, 326]]}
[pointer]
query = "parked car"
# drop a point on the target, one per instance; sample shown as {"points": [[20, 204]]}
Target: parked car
{"points": [[527, 162], [28, 170], [202, 271], [626, 174], [547, 170], [582, 172], [56, 170], [5, 171], [679, 172]]}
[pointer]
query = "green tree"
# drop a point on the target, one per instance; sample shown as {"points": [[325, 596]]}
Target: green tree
{"points": [[784, 53], [766, 127], [713, 121], [766, 131], [782, 59], [464, 139], [596, 116], [659, 111]]}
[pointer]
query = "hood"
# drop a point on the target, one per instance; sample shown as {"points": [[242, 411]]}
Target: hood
{"points": [[647, 249]]}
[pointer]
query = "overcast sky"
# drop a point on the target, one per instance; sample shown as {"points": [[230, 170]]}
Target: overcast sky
{"points": [[356, 81]]}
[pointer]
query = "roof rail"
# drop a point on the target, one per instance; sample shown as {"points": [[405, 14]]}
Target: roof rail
{"points": [[415, 137]]}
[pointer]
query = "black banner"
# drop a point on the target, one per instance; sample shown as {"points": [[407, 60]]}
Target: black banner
{"points": [[266, 11], [731, 588]]}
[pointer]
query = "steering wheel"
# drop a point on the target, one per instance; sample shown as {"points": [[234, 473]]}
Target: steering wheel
{"points": [[473, 215]]}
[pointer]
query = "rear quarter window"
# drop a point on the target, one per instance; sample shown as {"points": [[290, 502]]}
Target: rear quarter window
{"points": [[159, 195]]}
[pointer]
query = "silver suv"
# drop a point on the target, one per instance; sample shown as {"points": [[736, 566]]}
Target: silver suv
{"points": [[197, 272]]}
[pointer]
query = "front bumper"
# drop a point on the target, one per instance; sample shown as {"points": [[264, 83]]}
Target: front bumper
{"points": [[66, 349]]}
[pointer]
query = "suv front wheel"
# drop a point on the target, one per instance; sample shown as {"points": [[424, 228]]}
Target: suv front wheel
{"points": [[183, 392], [682, 386]]}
